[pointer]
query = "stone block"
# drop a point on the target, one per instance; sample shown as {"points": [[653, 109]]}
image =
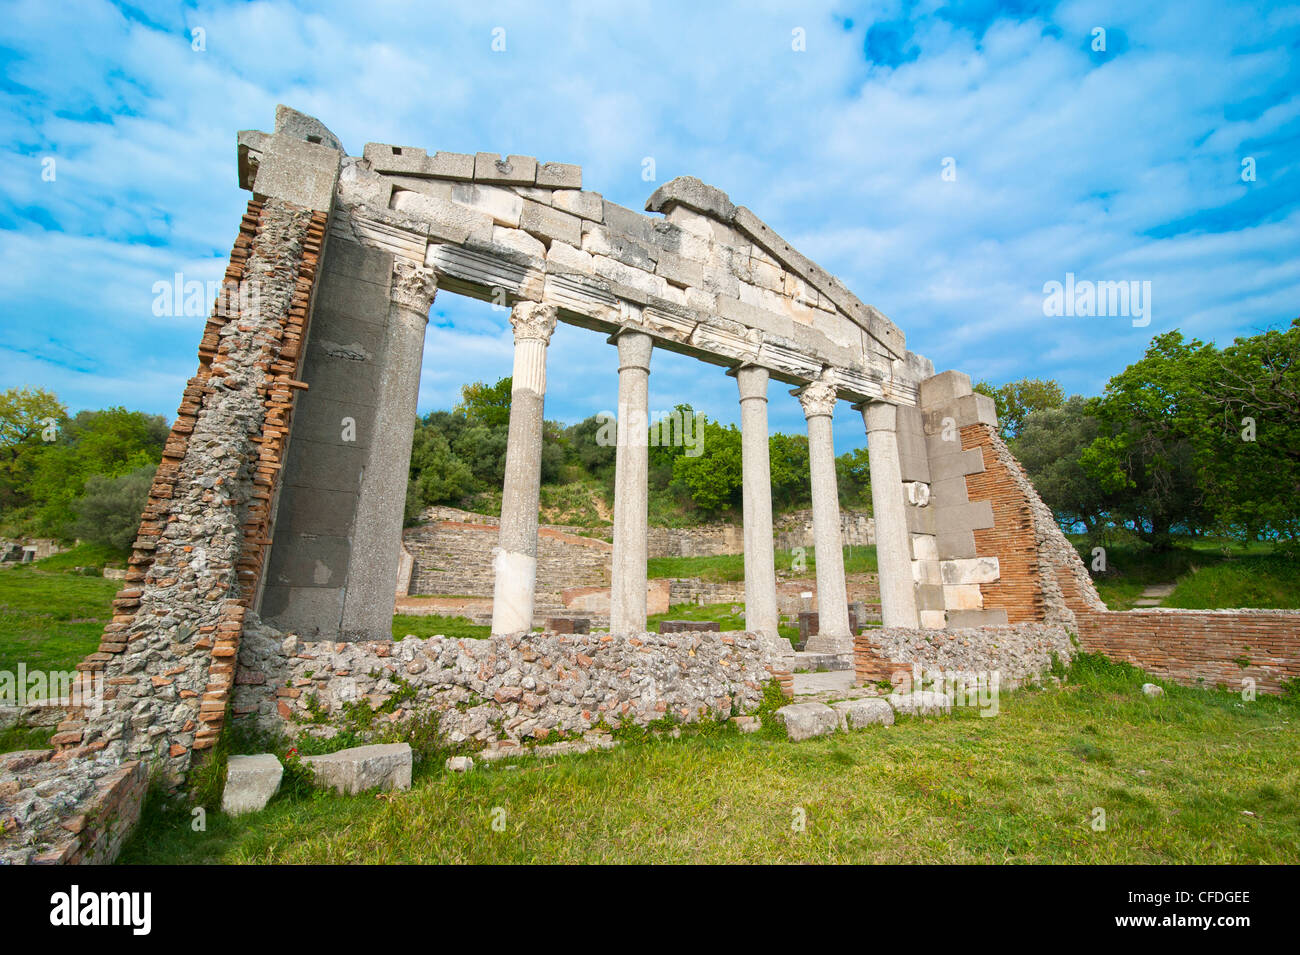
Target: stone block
{"points": [[932, 619], [600, 240], [1151, 690], [459, 764], [977, 570], [959, 619], [251, 781], [410, 161], [856, 714], [621, 220], [690, 626], [503, 205], [559, 175], [679, 270], [361, 768], [807, 720], [925, 547], [963, 597], [520, 243], [944, 389], [920, 703], [584, 205], [550, 223], [955, 544], [693, 194], [513, 170], [449, 221], [956, 464], [298, 171], [565, 258]]}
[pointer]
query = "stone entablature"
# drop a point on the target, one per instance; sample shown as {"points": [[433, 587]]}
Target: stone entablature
{"points": [[707, 278]]}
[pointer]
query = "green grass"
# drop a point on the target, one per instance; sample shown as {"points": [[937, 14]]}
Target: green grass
{"points": [[14, 738], [1209, 574], [720, 612], [1242, 582], [1175, 776], [51, 621], [455, 628], [731, 567], [93, 556]]}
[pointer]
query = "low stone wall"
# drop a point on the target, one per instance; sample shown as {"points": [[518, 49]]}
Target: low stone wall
{"points": [[1200, 647], [1017, 653], [705, 540], [517, 687], [857, 529], [71, 811]]}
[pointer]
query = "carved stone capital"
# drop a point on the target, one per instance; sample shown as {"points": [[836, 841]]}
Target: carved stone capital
{"points": [[413, 287], [533, 320], [818, 397]]}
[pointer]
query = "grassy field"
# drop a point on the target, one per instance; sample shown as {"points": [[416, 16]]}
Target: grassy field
{"points": [[1193, 777], [726, 567], [730, 616], [1208, 574], [422, 625], [50, 621]]}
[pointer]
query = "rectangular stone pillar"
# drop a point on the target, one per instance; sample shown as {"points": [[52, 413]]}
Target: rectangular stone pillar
{"points": [[515, 562], [818, 401], [627, 602], [377, 531], [893, 543], [760, 572]]}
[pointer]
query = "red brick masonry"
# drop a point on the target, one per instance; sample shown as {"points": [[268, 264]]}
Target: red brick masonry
{"points": [[1200, 647]]}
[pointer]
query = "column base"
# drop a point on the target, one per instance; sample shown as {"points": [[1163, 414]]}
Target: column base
{"points": [[824, 643]]}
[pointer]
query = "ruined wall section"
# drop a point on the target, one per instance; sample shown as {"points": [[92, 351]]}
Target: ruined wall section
{"points": [[167, 657]]}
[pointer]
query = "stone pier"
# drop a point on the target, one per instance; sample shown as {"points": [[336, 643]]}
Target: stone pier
{"points": [[627, 605], [515, 563]]}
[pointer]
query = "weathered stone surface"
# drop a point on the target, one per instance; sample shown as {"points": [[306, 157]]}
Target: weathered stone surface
{"points": [[855, 714], [550, 223], [806, 720], [1151, 690], [559, 175], [490, 167], [585, 205], [920, 703], [251, 781], [459, 764], [350, 771]]}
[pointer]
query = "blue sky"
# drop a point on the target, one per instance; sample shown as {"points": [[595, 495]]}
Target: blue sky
{"points": [[1115, 164]]}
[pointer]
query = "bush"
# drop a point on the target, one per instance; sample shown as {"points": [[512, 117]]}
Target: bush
{"points": [[109, 512]]}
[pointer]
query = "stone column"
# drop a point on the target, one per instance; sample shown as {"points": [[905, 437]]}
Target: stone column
{"points": [[893, 542], [515, 563], [818, 400], [377, 529], [627, 599], [760, 574]]}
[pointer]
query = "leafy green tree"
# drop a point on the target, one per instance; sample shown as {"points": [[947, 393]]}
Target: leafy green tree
{"points": [[109, 511], [1049, 446], [1016, 400], [712, 479], [853, 478], [487, 405], [28, 417], [1145, 453], [788, 454]]}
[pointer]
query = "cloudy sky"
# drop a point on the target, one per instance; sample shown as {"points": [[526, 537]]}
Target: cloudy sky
{"points": [[945, 160]]}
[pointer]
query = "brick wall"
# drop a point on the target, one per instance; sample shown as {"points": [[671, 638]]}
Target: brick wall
{"points": [[1200, 647], [1011, 539]]}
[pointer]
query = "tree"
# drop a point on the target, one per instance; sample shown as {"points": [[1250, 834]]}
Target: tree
{"points": [[1145, 452], [712, 479], [1049, 446], [853, 478], [1016, 400], [109, 511], [788, 454], [29, 418], [487, 405]]}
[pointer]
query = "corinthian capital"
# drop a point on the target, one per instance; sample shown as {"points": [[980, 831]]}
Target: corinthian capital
{"points": [[818, 397], [413, 287], [533, 320]]}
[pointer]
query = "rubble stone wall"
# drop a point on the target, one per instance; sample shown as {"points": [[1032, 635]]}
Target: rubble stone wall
{"points": [[517, 687]]}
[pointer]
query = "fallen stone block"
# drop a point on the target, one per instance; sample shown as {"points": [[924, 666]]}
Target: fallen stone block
{"points": [[806, 720], [350, 771], [855, 714], [251, 781], [1150, 689], [459, 764], [747, 724], [920, 703]]}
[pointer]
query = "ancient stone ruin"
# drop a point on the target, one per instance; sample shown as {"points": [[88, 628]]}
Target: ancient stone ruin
{"points": [[262, 583]]}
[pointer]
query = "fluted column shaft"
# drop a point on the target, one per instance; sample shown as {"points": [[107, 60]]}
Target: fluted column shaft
{"points": [[627, 604], [893, 541], [515, 561], [833, 636]]}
